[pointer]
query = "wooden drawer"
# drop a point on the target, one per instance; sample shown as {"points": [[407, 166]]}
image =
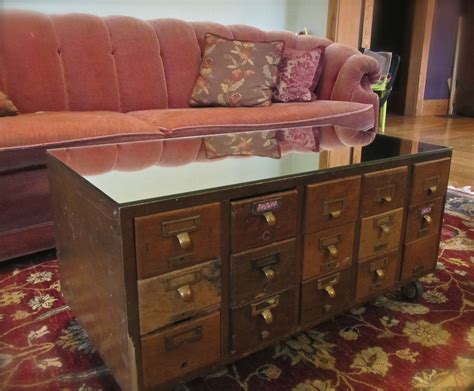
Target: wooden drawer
{"points": [[429, 180], [327, 295], [424, 219], [173, 353], [263, 271], [384, 190], [331, 204], [376, 274], [380, 233], [420, 257], [178, 295], [173, 240], [328, 251], [262, 220], [262, 321]]}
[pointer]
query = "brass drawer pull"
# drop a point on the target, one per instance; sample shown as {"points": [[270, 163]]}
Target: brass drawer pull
{"points": [[385, 228], [184, 240], [386, 199], [185, 292], [335, 214], [432, 189], [427, 219], [332, 250], [330, 291], [380, 274], [270, 218], [269, 273], [267, 316]]}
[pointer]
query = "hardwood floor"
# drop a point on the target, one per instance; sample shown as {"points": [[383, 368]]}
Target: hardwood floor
{"points": [[455, 132]]}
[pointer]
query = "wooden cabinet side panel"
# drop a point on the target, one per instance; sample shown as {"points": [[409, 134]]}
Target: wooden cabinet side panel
{"points": [[91, 270]]}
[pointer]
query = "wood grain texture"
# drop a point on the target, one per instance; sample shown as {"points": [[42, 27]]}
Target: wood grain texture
{"points": [[249, 329], [250, 229], [161, 304], [369, 282], [420, 257], [172, 353], [456, 132], [332, 196], [373, 239], [91, 269], [315, 301], [248, 279], [428, 175], [384, 190], [435, 107], [368, 14], [344, 21], [424, 219], [419, 54], [159, 251], [318, 260]]}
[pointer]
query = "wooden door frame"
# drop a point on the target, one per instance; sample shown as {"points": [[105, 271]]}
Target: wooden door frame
{"points": [[420, 43]]}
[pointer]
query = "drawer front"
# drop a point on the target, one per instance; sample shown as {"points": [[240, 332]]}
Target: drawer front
{"points": [[262, 220], [173, 240], [376, 274], [262, 321], [384, 191], [173, 353], [331, 204], [324, 296], [178, 295], [263, 271], [380, 233], [328, 251], [424, 219], [430, 180], [420, 257]]}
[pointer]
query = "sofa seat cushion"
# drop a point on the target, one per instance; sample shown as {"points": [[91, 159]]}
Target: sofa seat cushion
{"points": [[51, 128], [198, 121]]}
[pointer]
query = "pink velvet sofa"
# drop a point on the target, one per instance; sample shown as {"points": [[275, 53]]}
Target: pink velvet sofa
{"points": [[80, 79]]}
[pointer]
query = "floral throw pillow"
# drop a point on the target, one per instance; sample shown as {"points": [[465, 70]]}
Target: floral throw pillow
{"points": [[243, 144], [7, 107], [299, 72], [236, 73]]}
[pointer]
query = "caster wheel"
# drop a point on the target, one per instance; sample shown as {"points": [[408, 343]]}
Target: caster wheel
{"points": [[412, 291]]}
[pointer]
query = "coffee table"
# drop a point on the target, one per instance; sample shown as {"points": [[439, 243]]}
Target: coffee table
{"points": [[181, 255]]}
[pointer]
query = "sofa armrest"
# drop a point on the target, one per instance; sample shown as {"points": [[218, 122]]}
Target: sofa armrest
{"points": [[348, 75]]}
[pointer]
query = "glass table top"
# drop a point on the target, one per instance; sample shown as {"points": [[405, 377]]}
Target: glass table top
{"points": [[159, 169]]}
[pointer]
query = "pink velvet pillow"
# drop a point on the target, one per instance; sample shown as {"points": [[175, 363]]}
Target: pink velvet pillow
{"points": [[299, 72]]}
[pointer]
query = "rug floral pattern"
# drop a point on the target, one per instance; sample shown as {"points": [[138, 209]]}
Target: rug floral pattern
{"points": [[388, 344]]}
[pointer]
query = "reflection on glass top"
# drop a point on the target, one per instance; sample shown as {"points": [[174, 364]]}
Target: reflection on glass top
{"points": [[137, 171]]}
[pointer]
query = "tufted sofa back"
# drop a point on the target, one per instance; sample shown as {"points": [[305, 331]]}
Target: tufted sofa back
{"points": [[83, 62]]}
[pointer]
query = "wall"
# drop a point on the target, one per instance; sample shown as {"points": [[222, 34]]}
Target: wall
{"points": [[290, 15], [442, 46], [266, 14], [311, 14]]}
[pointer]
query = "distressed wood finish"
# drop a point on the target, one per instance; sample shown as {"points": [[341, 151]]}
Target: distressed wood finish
{"points": [[328, 251], [424, 219], [331, 204], [316, 299], [380, 233], [179, 295], [262, 321], [250, 227], [430, 180], [384, 190], [159, 317], [159, 249], [263, 271], [376, 274], [169, 354]]}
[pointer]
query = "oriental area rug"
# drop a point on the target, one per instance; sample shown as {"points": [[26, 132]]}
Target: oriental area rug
{"points": [[388, 344]]}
